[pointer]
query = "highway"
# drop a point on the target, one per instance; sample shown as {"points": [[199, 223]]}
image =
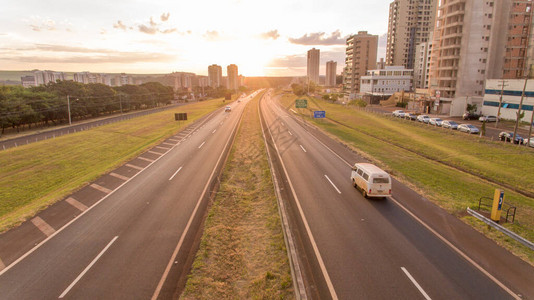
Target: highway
{"points": [[134, 242], [357, 248]]}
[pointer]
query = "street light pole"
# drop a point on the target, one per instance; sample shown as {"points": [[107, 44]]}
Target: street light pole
{"points": [[519, 110], [68, 108], [500, 103]]}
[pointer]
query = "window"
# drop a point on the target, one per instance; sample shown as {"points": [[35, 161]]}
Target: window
{"points": [[360, 172], [365, 176], [381, 180]]}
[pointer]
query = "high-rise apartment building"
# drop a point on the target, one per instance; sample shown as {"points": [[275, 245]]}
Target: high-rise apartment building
{"points": [[421, 64], [360, 57], [233, 77], [215, 75], [44, 77], [474, 41], [410, 23], [331, 69], [313, 65]]}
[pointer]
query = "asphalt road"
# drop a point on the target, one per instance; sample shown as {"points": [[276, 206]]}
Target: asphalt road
{"points": [[357, 248], [133, 243]]}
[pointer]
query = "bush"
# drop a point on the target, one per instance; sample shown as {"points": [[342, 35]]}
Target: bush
{"points": [[401, 104]]}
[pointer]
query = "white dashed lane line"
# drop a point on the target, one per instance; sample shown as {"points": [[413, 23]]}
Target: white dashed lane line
{"points": [[175, 173], [290, 133], [416, 284], [201, 145], [302, 148], [332, 184]]}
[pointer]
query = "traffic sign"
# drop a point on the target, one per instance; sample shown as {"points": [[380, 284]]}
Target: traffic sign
{"points": [[319, 114], [301, 103]]}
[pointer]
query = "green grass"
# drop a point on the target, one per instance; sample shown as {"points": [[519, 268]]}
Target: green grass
{"points": [[36, 175], [431, 160], [242, 252]]}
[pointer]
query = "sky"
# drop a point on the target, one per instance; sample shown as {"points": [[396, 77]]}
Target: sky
{"points": [[263, 38]]}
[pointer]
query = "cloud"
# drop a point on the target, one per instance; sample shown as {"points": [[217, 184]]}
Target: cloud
{"points": [[120, 25], [164, 17], [289, 61], [319, 38], [146, 29], [273, 34], [211, 35], [40, 24]]}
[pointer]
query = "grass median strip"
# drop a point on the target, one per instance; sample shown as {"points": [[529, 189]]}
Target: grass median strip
{"points": [[36, 175], [431, 160], [242, 253]]}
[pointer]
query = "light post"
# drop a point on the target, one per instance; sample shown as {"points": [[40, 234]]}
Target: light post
{"points": [[519, 110], [500, 103], [68, 109]]}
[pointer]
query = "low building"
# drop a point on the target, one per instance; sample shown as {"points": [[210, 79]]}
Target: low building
{"points": [[386, 82], [511, 97], [28, 81]]}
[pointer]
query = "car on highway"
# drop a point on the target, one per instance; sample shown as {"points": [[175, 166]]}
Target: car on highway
{"points": [[488, 119], [410, 116], [423, 118], [506, 136], [449, 124], [467, 128], [435, 121], [398, 113], [470, 116], [371, 180], [228, 109]]}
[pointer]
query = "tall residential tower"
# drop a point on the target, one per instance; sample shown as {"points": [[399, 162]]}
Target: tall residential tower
{"points": [[331, 69], [360, 57], [215, 76], [313, 65]]}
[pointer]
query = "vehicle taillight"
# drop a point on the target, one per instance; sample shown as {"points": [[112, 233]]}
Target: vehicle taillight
{"points": [[369, 191], [390, 191]]}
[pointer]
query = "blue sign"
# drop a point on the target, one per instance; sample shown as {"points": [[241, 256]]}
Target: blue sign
{"points": [[501, 197], [319, 114]]}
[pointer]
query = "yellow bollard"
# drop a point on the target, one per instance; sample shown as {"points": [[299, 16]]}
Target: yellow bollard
{"points": [[498, 200]]}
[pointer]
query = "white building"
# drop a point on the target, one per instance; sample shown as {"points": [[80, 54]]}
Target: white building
{"points": [[44, 77], [331, 70], [28, 81], [386, 81], [421, 64], [511, 97], [313, 65], [215, 76]]}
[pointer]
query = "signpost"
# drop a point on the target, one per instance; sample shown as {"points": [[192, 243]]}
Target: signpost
{"points": [[301, 103], [498, 199], [319, 114], [180, 117]]}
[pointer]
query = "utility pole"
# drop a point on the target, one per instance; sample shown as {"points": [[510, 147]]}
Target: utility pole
{"points": [[519, 110], [500, 102], [68, 108], [120, 102]]}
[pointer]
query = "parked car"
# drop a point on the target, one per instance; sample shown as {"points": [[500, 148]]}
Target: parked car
{"points": [[423, 118], [470, 116], [507, 137], [398, 113], [468, 128], [488, 119], [410, 116], [529, 142], [435, 121], [449, 124]]}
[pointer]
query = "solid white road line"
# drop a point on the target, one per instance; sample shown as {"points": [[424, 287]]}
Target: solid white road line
{"points": [[76, 204], [2, 266], [201, 145], [175, 173], [101, 188], [290, 132], [302, 148], [332, 184], [43, 226], [119, 176], [416, 284], [292, 110], [87, 268]]}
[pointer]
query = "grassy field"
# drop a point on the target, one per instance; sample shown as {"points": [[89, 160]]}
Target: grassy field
{"points": [[242, 253], [38, 174], [451, 168]]}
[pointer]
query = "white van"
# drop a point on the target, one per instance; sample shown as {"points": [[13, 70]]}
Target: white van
{"points": [[371, 180]]}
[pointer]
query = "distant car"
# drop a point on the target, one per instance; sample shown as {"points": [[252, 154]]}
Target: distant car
{"points": [[435, 121], [398, 113], [470, 116], [228, 109], [507, 137], [410, 116], [468, 128], [449, 124], [423, 118], [488, 119]]}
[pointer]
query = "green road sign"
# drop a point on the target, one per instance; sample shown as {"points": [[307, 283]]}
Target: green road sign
{"points": [[301, 103]]}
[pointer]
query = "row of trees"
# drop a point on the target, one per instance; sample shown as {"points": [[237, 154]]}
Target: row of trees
{"points": [[49, 104]]}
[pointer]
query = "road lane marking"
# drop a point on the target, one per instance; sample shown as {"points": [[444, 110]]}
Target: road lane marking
{"points": [[201, 145], [416, 284], [145, 159], [76, 204], [302, 148], [87, 268], [101, 188], [153, 152], [2, 265], [173, 140], [119, 176], [134, 166], [43, 226], [164, 143], [214, 131], [292, 110], [462, 254], [322, 266], [175, 173], [164, 148], [332, 184], [290, 132]]}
